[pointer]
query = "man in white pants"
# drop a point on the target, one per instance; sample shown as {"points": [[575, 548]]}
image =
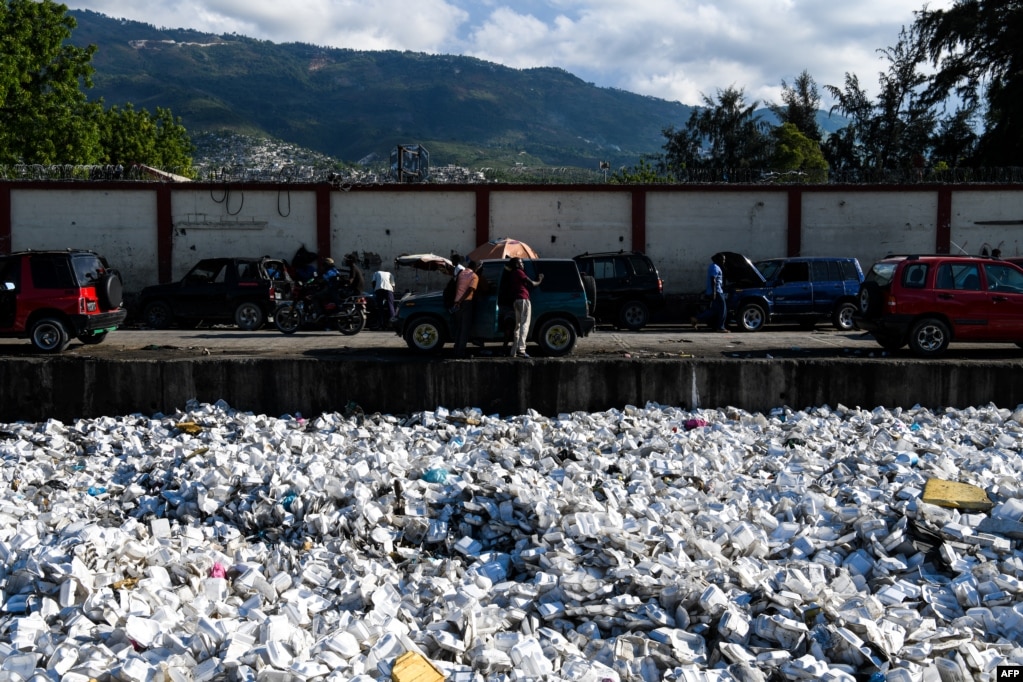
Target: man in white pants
{"points": [[520, 286]]}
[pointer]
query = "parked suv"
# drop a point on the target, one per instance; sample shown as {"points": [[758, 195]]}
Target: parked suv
{"points": [[929, 301], [239, 290], [801, 289], [51, 297], [627, 287], [560, 310]]}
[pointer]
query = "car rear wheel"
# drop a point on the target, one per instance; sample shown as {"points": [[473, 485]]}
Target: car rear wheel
{"points": [[157, 315], [249, 316], [49, 335], [842, 317], [929, 337], [634, 315], [752, 317], [556, 337], [425, 335]]}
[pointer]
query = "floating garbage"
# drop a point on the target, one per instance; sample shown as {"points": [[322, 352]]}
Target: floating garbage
{"points": [[635, 545]]}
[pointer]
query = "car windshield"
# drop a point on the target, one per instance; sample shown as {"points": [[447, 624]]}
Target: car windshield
{"points": [[768, 268], [881, 273]]}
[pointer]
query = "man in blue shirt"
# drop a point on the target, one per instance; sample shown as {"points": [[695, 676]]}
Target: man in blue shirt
{"points": [[716, 313]]}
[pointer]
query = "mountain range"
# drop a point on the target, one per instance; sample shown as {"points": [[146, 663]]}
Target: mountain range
{"points": [[356, 106]]}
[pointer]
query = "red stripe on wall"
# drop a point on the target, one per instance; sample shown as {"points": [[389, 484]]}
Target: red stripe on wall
{"points": [[794, 241], [164, 233], [943, 229]]}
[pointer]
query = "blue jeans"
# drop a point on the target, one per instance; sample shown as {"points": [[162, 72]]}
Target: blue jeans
{"points": [[716, 314]]}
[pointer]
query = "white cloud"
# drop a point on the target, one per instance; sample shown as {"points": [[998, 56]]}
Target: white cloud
{"points": [[672, 49]]}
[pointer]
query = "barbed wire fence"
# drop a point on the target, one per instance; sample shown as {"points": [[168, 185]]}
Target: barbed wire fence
{"points": [[524, 174]]}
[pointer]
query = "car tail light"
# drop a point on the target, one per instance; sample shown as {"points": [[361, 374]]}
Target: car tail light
{"points": [[660, 285], [273, 292], [86, 305]]}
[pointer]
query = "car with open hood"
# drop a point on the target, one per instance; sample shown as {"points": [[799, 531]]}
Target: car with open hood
{"points": [[803, 289], [560, 310]]}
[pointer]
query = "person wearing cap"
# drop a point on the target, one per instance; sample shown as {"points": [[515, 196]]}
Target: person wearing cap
{"points": [[466, 283], [520, 286]]}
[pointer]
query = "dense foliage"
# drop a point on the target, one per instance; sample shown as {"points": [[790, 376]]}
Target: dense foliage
{"points": [[45, 115]]}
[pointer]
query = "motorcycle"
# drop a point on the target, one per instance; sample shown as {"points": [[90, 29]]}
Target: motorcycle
{"points": [[307, 309]]}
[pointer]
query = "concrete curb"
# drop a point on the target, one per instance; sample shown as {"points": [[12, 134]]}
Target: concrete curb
{"points": [[68, 388]]}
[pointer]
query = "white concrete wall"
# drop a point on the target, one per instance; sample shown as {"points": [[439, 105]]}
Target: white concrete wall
{"points": [[239, 223], [683, 227], [390, 224], [984, 221], [869, 225], [563, 224], [121, 226]]}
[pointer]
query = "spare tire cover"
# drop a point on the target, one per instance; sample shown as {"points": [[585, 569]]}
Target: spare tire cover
{"points": [[110, 291]]}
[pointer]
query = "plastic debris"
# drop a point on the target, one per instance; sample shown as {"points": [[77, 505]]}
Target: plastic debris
{"points": [[635, 545]]}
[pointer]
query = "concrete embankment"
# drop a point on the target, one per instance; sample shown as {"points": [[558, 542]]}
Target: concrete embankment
{"points": [[67, 388]]}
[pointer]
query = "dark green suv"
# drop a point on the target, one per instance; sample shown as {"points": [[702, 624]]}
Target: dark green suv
{"points": [[560, 310], [628, 287]]}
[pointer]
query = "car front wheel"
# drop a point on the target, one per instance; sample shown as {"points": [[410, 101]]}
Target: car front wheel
{"points": [[249, 316], [752, 317], [556, 337], [425, 335], [929, 338], [634, 315], [49, 335]]}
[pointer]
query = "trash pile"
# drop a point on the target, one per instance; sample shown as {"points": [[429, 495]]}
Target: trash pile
{"points": [[644, 544]]}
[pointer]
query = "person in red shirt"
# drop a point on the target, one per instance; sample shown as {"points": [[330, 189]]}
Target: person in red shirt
{"points": [[520, 286]]}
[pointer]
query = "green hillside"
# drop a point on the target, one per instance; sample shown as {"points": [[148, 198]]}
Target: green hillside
{"points": [[351, 105]]}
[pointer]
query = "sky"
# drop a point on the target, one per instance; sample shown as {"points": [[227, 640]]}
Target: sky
{"points": [[677, 50]]}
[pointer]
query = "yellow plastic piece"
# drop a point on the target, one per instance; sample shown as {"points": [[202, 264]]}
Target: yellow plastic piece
{"points": [[956, 495], [412, 667]]}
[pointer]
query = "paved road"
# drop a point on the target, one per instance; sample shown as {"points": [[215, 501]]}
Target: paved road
{"points": [[665, 340]]}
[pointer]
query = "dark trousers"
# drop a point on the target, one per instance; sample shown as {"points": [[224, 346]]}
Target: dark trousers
{"points": [[385, 301], [462, 320]]}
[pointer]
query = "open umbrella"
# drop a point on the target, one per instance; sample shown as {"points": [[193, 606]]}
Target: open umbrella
{"points": [[502, 248], [425, 261]]}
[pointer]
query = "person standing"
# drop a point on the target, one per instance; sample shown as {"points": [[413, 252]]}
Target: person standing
{"points": [[520, 286], [354, 280], [466, 283], [383, 295], [716, 314]]}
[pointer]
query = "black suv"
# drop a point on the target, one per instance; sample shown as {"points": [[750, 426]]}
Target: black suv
{"points": [[239, 290], [51, 297], [628, 287]]}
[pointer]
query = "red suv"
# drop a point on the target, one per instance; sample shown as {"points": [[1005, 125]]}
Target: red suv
{"points": [[928, 301], [51, 297]]}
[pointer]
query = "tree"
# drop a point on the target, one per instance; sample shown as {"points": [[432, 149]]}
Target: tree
{"points": [[135, 137], [44, 114], [801, 101], [794, 152], [976, 47], [894, 132], [729, 127]]}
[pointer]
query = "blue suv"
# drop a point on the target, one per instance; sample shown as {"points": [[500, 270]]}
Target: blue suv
{"points": [[800, 289]]}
